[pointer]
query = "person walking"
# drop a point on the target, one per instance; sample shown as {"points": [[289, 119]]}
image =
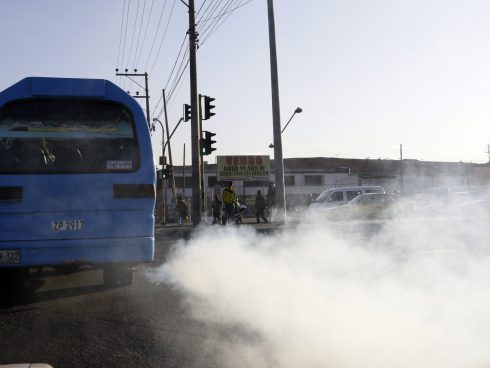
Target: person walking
{"points": [[271, 197], [260, 207], [217, 207], [229, 199], [182, 211]]}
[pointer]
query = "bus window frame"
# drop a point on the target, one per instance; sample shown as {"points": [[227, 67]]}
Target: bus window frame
{"points": [[136, 167]]}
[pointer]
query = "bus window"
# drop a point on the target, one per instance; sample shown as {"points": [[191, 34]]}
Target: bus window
{"points": [[75, 136]]}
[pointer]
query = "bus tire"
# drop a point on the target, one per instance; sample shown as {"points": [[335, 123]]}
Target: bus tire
{"points": [[126, 276], [109, 275]]}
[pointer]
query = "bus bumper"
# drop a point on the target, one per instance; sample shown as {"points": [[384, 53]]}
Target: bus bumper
{"points": [[80, 252]]}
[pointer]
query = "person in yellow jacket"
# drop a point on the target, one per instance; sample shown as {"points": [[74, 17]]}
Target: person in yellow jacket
{"points": [[229, 199]]}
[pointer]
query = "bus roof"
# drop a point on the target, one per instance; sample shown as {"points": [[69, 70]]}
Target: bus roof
{"points": [[32, 87]]}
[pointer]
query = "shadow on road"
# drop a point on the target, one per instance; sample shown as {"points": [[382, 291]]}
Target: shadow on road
{"points": [[23, 289]]}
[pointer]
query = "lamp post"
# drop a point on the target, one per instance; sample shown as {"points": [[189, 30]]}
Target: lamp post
{"points": [[297, 111], [164, 191]]}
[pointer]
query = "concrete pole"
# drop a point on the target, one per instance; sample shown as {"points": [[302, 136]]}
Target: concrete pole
{"points": [[195, 144], [174, 194], [276, 119]]}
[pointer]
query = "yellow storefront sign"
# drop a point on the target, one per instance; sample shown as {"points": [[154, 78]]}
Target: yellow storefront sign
{"points": [[243, 167]]}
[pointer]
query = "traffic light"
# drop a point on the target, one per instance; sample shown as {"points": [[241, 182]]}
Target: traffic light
{"points": [[167, 172], [207, 143], [208, 107], [187, 112]]}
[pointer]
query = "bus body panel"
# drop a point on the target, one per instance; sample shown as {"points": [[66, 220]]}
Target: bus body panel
{"points": [[82, 251], [115, 228]]}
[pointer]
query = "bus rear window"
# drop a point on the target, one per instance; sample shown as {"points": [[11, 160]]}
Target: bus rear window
{"points": [[67, 136]]}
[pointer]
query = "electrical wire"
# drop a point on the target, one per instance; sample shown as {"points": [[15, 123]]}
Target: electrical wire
{"points": [[134, 30], [120, 35], [210, 10], [139, 34], [228, 14], [124, 39], [163, 37], [217, 17], [198, 11], [171, 72], [146, 31], [156, 34]]}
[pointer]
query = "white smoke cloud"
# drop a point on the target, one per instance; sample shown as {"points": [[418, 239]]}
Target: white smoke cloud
{"points": [[413, 294]]}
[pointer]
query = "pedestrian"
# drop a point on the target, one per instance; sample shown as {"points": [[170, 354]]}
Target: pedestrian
{"points": [[229, 199], [182, 211], [260, 207], [217, 207], [271, 197]]}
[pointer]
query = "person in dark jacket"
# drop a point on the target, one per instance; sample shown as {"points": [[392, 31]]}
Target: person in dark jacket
{"points": [[260, 207], [271, 196]]}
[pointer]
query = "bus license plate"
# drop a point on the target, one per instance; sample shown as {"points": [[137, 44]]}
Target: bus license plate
{"points": [[9, 256], [67, 225]]}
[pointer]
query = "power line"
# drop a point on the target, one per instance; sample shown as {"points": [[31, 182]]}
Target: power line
{"points": [[120, 35], [176, 60], [139, 34], [215, 14], [212, 9], [134, 30], [172, 71], [204, 2], [228, 14], [178, 80], [205, 10], [125, 33], [156, 33], [163, 37], [146, 31]]}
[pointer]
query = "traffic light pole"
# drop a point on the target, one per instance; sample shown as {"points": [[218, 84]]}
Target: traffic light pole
{"points": [[276, 119], [203, 187], [195, 144]]}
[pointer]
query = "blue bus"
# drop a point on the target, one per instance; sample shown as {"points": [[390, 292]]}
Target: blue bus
{"points": [[77, 178]]}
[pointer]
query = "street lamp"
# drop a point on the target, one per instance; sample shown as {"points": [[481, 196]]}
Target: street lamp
{"points": [[297, 111], [163, 135], [164, 191]]}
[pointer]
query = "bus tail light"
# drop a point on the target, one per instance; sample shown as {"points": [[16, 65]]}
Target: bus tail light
{"points": [[133, 191]]}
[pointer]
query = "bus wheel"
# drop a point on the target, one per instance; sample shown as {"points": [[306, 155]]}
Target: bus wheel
{"points": [[110, 276], [126, 276]]}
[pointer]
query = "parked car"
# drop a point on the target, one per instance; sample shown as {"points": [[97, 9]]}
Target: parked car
{"points": [[445, 200], [373, 206], [334, 197]]}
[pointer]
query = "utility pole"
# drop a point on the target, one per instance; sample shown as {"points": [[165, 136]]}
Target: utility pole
{"points": [[137, 95], [195, 144], [183, 172], [201, 162], [276, 118], [174, 195], [488, 152], [401, 168]]}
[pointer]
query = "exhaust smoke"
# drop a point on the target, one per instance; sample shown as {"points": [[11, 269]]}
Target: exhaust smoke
{"points": [[411, 293]]}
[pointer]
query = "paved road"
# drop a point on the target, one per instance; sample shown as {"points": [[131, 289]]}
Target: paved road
{"points": [[75, 321]]}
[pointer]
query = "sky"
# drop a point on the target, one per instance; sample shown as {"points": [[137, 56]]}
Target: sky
{"points": [[369, 75]]}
